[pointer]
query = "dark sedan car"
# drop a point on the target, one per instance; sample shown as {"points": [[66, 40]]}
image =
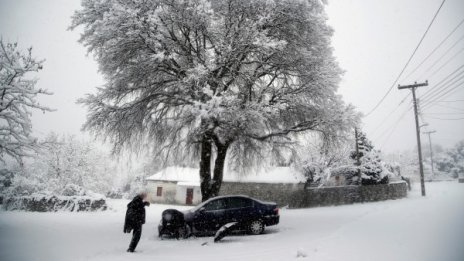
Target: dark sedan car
{"points": [[251, 214]]}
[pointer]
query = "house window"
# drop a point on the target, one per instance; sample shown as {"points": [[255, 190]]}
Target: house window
{"points": [[159, 191]]}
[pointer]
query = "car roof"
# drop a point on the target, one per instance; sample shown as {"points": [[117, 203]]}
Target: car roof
{"points": [[231, 196]]}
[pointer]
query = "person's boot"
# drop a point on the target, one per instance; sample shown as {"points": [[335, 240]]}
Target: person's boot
{"points": [[130, 250]]}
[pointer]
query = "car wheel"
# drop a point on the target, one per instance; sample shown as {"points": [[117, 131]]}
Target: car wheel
{"points": [[256, 227], [185, 231]]}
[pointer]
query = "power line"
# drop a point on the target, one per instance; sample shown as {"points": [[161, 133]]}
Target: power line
{"points": [[394, 127], [447, 92], [434, 50], [444, 89], [454, 56], [396, 122], [447, 101], [447, 107], [444, 81], [384, 120], [454, 119], [409, 60], [444, 113], [441, 57], [452, 83]]}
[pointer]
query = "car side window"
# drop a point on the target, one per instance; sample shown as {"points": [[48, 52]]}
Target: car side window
{"points": [[215, 205], [240, 203]]}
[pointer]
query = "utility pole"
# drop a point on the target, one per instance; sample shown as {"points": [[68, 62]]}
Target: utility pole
{"points": [[419, 149], [358, 162], [430, 144]]}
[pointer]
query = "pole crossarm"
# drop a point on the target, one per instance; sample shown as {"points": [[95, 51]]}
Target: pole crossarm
{"points": [[426, 83]]}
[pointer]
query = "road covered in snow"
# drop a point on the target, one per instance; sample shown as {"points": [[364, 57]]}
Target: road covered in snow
{"points": [[414, 228]]}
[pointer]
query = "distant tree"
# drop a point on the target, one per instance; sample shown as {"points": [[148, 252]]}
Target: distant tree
{"points": [[451, 161], [212, 79], [17, 98], [65, 162]]}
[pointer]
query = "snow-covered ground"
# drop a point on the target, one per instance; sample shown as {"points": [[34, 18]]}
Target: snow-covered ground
{"points": [[415, 228]]}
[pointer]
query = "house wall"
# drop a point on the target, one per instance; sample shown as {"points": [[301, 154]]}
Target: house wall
{"points": [[168, 195], [181, 194]]}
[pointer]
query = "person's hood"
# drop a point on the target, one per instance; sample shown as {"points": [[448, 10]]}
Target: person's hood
{"points": [[137, 201]]}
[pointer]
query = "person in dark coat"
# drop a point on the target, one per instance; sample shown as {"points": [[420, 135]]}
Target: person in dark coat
{"points": [[135, 218]]}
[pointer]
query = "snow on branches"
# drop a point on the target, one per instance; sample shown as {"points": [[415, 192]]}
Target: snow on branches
{"points": [[17, 99], [212, 76]]}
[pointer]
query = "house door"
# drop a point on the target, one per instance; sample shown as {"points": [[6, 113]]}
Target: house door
{"points": [[189, 198]]}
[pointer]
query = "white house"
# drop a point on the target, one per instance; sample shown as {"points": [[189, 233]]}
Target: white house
{"points": [[177, 185]]}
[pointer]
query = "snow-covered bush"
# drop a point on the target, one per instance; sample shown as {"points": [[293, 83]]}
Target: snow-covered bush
{"points": [[73, 190], [349, 172], [115, 194]]}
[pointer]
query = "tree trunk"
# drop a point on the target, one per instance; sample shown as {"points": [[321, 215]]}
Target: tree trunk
{"points": [[205, 169], [218, 169]]}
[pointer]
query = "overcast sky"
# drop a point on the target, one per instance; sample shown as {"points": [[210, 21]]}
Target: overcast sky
{"points": [[372, 42]]}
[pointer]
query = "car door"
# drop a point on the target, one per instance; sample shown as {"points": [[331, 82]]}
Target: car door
{"points": [[239, 209], [211, 216]]}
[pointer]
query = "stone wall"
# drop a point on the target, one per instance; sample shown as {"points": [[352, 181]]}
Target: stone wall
{"points": [[294, 196], [281, 193]]}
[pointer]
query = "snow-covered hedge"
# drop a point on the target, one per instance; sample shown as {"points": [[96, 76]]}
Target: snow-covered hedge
{"points": [[52, 203]]}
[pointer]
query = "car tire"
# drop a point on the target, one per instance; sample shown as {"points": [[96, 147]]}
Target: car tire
{"points": [[185, 232], [256, 227]]}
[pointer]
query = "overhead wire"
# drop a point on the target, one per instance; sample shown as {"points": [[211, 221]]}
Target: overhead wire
{"points": [[454, 119], [453, 57], [447, 107], [435, 49], [384, 120], [394, 127], [443, 82], [447, 91], [409, 60], [441, 57], [447, 101]]}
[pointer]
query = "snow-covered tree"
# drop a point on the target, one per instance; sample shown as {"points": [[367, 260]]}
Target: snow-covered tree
{"points": [[63, 164], [373, 170], [212, 79], [317, 162], [18, 96]]}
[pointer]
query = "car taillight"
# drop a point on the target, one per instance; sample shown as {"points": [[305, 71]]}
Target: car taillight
{"points": [[276, 211]]}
